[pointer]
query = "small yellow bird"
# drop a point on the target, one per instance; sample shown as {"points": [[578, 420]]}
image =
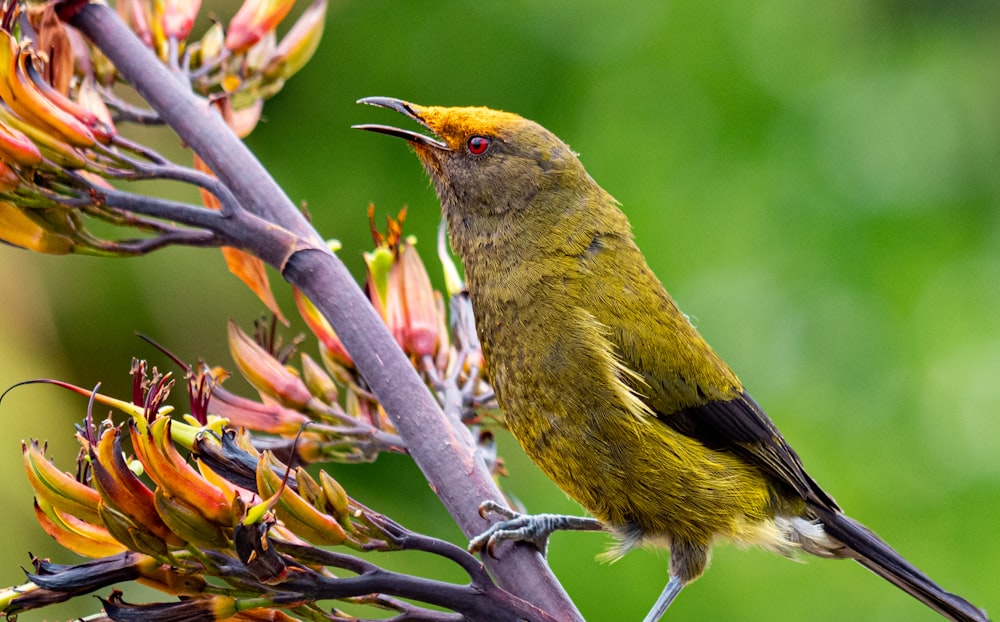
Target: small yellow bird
{"points": [[603, 381]]}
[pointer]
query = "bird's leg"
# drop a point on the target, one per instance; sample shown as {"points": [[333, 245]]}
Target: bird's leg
{"points": [[667, 596], [534, 528]]}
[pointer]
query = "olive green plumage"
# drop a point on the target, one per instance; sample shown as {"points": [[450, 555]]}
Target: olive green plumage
{"points": [[603, 381]]}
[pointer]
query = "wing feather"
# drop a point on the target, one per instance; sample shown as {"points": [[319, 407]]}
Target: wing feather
{"points": [[681, 380]]}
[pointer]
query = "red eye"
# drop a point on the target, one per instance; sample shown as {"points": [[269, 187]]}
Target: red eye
{"points": [[478, 145]]}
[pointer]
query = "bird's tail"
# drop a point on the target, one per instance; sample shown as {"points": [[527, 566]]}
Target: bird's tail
{"points": [[871, 552]]}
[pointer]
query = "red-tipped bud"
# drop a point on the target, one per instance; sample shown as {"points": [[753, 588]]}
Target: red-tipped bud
{"points": [[333, 347], [265, 372], [17, 148], [254, 20], [244, 413], [176, 17], [422, 323], [136, 14], [395, 307]]}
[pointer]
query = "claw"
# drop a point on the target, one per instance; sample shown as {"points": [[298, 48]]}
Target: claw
{"points": [[492, 507], [535, 529], [515, 526]]}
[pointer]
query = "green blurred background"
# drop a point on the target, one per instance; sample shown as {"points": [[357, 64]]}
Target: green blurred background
{"points": [[818, 184]]}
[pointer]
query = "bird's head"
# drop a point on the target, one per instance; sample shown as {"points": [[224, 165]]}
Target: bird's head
{"points": [[484, 162]]}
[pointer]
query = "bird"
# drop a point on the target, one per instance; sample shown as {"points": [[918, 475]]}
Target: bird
{"points": [[604, 382]]}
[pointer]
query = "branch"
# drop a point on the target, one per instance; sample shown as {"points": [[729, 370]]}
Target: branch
{"points": [[480, 600], [445, 455]]}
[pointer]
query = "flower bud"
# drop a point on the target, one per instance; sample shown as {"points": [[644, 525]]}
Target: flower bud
{"points": [[17, 148], [422, 323], [211, 45], [295, 512], [175, 478], [58, 489], [18, 229], [319, 382], [299, 44], [244, 413], [265, 372], [254, 20], [123, 491], [336, 497], [189, 522], [320, 327], [80, 536], [176, 17]]}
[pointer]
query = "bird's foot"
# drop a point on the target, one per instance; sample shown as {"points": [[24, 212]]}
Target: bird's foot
{"points": [[534, 528]]}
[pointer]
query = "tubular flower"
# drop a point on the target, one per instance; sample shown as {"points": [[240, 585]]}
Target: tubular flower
{"points": [[175, 18], [125, 500], [320, 327], [265, 372], [422, 320], [399, 287], [253, 21]]}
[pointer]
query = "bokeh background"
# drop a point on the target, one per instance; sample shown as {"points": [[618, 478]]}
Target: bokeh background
{"points": [[818, 184]]}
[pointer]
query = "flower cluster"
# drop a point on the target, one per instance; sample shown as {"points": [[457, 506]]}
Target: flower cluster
{"points": [[241, 515], [343, 420], [238, 508], [63, 104], [441, 343]]}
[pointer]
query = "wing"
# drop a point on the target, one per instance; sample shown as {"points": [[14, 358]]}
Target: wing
{"points": [[741, 426], [682, 380]]}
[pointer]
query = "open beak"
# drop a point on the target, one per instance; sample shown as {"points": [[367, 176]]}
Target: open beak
{"points": [[406, 108]]}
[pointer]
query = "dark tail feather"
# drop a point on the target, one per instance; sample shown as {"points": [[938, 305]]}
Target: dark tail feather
{"points": [[871, 552]]}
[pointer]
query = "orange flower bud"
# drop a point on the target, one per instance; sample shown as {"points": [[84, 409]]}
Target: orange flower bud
{"points": [[17, 148], [244, 413], [77, 535], [34, 101], [19, 229], [254, 20], [120, 488], [332, 345], [176, 479], [265, 372], [8, 178], [58, 489]]}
